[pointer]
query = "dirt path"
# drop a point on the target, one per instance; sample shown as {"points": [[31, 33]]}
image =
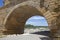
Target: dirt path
{"points": [[25, 37], [30, 34]]}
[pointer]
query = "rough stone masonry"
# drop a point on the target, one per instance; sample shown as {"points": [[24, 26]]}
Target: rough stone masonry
{"points": [[14, 14]]}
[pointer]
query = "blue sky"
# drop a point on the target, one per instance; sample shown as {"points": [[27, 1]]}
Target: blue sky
{"points": [[35, 20], [1, 3]]}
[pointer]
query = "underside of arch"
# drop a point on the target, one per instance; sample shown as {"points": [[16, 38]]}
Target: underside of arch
{"points": [[15, 21]]}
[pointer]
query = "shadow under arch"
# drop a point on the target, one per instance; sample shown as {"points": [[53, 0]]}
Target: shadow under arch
{"points": [[15, 21]]}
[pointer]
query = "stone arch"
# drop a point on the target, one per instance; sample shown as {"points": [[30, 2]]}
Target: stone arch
{"points": [[16, 18]]}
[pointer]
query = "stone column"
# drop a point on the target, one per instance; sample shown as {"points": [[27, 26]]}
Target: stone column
{"points": [[57, 35], [55, 27], [54, 24]]}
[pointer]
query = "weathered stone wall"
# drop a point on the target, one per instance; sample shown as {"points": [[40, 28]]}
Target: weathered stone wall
{"points": [[50, 9]]}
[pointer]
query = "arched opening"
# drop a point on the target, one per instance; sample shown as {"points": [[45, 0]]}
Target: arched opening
{"points": [[17, 17], [40, 20], [37, 24]]}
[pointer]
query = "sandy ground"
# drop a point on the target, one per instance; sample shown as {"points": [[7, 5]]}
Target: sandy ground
{"points": [[31, 34], [25, 37]]}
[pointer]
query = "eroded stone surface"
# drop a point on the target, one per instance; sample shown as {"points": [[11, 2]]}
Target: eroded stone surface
{"points": [[15, 13]]}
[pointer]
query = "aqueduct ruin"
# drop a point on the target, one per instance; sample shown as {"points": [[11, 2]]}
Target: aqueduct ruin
{"points": [[14, 14]]}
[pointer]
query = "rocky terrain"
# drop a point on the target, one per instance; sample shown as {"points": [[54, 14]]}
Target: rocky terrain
{"points": [[30, 34]]}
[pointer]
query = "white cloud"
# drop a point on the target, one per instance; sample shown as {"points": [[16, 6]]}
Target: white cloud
{"points": [[38, 23], [36, 20]]}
